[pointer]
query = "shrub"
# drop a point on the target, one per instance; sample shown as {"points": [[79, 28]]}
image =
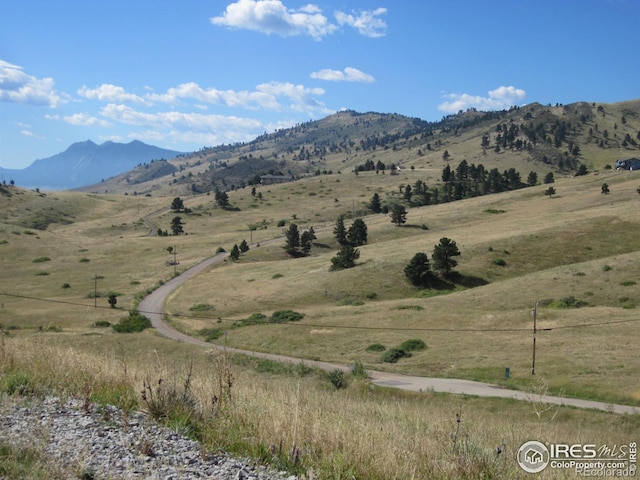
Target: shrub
{"points": [[393, 355], [283, 316], [16, 383], [500, 262], [101, 324], [358, 370], [41, 260], [376, 347], [135, 322], [412, 345], [627, 283], [568, 302], [66, 285], [202, 307], [84, 260], [277, 276], [211, 334], [337, 379]]}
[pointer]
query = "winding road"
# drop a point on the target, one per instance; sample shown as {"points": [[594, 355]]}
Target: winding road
{"points": [[152, 306]]}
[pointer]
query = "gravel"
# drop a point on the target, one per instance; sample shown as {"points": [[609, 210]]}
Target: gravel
{"points": [[101, 442]]}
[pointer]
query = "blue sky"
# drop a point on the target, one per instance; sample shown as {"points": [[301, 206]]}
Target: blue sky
{"points": [[184, 75]]}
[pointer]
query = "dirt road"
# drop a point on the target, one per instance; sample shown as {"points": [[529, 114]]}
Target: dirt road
{"points": [[153, 307]]}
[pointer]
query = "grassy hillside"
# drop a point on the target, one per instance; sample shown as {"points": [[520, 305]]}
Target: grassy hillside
{"points": [[535, 137], [576, 253]]}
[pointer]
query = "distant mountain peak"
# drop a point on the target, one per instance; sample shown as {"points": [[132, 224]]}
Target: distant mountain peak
{"points": [[86, 163]]}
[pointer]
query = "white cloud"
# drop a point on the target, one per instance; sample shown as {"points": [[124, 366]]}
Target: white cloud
{"points": [[30, 134], [85, 120], [18, 87], [498, 99], [349, 74], [193, 91], [109, 93], [177, 120], [272, 17], [366, 22]]}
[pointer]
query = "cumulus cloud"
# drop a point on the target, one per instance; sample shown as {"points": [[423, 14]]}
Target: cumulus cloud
{"points": [[85, 120], [498, 99], [349, 74], [231, 98], [272, 17], [366, 22], [18, 87], [109, 93]]}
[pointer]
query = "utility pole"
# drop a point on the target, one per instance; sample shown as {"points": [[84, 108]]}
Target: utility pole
{"points": [[534, 312], [95, 291], [175, 261]]}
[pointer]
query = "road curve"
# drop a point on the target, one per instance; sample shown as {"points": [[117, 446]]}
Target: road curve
{"points": [[152, 306]]}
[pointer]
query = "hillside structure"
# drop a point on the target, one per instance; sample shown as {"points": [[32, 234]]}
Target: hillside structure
{"points": [[628, 164]]}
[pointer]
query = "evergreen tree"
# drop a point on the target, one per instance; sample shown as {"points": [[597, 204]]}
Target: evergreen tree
{"points": [[443, 254], [244, 246], [357, 234], [398, 214], [222, 199], [176, 226], [548, 178], [550, 192], [306, 241], [345, 258], [234, 254], [292, 242], [340, 231], [177, 205], [375, 204], [418, 271], [532, 179]]}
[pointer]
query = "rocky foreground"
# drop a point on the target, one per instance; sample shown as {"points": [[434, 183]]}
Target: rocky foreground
{"points": [[102, 442]]}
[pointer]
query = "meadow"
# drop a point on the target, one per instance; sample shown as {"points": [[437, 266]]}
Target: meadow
{"points": [[579, 244]]}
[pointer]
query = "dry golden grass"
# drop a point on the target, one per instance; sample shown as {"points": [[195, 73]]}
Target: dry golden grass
{"points": [[358, 432], [579, 243]]}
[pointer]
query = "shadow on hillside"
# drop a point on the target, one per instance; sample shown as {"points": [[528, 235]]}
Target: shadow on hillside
{"points": [[454, 279]]}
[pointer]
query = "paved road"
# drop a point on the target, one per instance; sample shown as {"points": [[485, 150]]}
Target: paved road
{"points": [[152, 306]]}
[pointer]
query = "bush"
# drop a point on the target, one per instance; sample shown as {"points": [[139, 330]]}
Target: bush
{"points": [[568, 302], [101, 324], [358, 370], [66, 285], [135, 322], [338, 379], [201, 307], [500, 262], [41, 260], [376, 347], [211, 334], [393, 355], [283, 316], [412, 345]]}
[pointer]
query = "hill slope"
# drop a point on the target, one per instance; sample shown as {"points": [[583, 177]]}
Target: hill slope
{"points": [[543, 139]]}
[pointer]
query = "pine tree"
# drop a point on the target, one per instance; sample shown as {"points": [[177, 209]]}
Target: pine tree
{"points": [[418, 271], [292, 242], [340, 231], [398, 214], [374, 204], [443, 254], [357, 234]]}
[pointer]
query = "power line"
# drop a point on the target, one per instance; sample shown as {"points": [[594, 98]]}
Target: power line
{"points": [[351, 327]]}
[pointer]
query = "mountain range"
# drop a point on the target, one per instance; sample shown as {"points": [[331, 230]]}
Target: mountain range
{"points": [[85, 163]]}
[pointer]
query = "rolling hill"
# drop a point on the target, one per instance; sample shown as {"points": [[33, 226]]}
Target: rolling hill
{"points": [[540, 138]]}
